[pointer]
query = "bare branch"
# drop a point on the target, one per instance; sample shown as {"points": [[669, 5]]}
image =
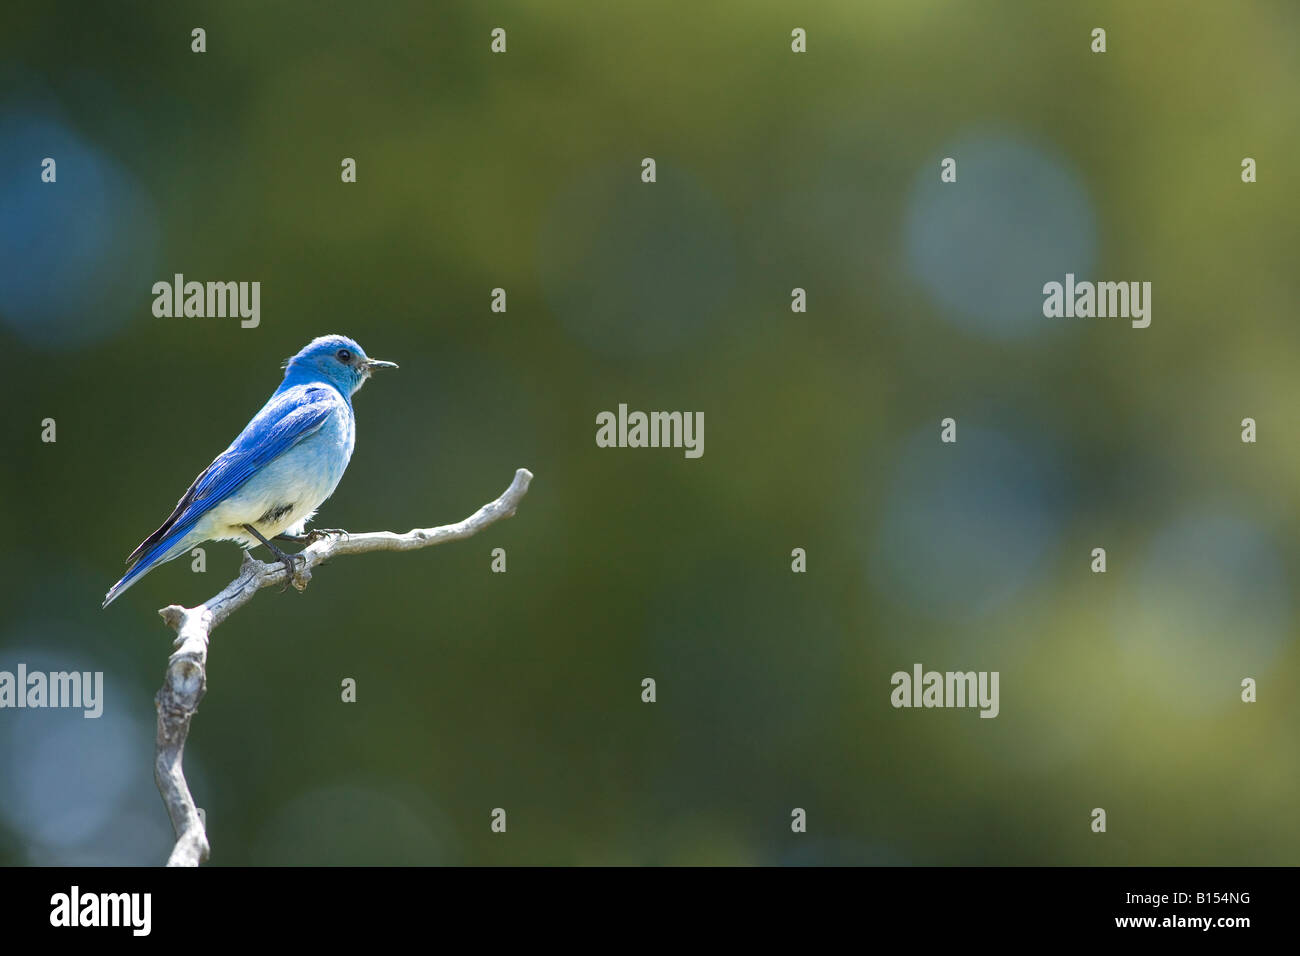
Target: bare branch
{"points": [[186, 678]]}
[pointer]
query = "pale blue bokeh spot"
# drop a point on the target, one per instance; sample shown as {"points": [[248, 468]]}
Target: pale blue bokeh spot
{"points": [[983, 247], [76, 255]]}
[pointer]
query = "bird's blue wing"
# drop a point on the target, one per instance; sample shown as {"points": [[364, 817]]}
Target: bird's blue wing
{"points": [[291, 418], [288, 418]]}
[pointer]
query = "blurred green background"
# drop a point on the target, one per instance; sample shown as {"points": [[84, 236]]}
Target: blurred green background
{"points": [[775, 170]]}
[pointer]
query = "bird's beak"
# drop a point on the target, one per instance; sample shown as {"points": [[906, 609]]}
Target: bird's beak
{"points": [[378, 363]]}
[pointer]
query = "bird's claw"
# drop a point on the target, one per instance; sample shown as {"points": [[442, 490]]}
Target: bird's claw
{"points": [[295, 574], [317, 534]]}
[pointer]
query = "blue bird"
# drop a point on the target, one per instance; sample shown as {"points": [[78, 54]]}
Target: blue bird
{"points": [[283, 465]]}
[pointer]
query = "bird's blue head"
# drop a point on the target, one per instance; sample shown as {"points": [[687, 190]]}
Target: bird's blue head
{"points": [[336, 359]]}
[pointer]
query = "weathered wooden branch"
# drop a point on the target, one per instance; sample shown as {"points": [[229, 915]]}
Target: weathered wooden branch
{"points": [[186, 679]]}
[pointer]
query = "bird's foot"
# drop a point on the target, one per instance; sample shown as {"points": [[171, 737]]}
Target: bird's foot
{"points": [[295, 571], [294, 575], [317, 534]]}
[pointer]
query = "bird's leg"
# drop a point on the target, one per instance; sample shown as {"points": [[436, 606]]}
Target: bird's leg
{"points": [[295, 538], [289, 561]]}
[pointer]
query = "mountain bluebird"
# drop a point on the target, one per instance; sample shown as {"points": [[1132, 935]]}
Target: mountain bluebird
{"points": [[283, 465]]}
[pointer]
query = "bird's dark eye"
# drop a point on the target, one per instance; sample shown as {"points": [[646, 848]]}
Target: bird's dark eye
{"points": [[344, 356]]}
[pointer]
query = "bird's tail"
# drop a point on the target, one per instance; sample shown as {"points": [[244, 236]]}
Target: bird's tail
{"points": [[169, 547]]}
